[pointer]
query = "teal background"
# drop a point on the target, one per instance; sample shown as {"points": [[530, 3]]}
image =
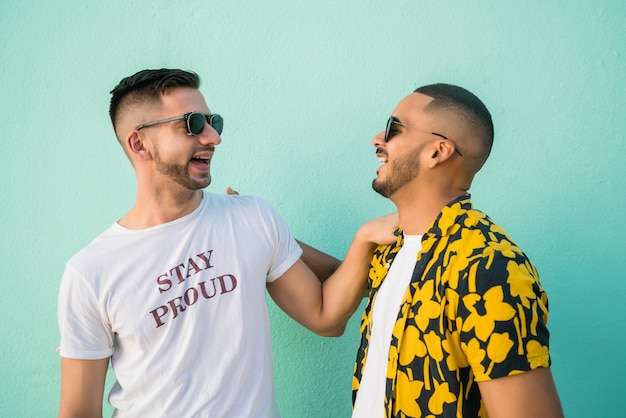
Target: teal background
{"points": [[303, 87]]}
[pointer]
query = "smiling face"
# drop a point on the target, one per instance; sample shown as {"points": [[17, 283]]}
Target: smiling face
{"points": [[400, 156], [401, 171], [178, 157]]}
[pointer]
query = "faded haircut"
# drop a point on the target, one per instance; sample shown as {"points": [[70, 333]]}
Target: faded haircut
{"points": [[467, 106], [146, 86]]}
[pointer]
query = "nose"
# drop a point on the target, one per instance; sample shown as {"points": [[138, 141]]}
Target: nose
{"points": [[379, 139], [209, 136]]}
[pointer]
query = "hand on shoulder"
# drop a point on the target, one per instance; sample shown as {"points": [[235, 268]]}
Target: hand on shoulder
{"points": [[379, 231]]}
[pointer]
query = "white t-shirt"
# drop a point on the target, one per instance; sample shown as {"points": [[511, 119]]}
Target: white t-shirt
{"points": [[181, 310], [370, 398]]}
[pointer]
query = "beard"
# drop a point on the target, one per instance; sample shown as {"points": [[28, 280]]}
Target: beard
{"points": [[401, 172], [180, 174]]}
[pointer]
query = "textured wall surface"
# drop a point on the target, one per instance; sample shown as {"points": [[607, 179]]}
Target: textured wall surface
{"points": [[303, 87]]}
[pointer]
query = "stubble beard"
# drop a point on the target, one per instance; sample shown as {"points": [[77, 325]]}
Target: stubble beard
{"points": [[180, 174], [401, 172]]}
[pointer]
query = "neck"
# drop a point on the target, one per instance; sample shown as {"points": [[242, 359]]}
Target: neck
{"points": [[416, 211]]}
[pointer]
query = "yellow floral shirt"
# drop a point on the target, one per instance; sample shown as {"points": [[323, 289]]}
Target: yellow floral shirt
{"points": [[474, 311]]}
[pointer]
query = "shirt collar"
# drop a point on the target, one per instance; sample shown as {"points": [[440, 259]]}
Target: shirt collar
{"points": [[446, 219]]}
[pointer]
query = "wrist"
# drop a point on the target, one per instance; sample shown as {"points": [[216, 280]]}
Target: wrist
{"points": [[365, 238]]}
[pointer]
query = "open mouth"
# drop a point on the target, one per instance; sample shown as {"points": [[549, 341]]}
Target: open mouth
{"points": [[203, 161], [382, 156]]}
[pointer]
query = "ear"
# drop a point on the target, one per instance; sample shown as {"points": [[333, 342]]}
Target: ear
{"points": [[440, 152], [135, 143]]}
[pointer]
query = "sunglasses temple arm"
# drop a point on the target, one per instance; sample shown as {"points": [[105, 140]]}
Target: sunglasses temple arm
{"points": [[158, 122]]}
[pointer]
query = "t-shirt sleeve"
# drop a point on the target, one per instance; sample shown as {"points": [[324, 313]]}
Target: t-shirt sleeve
{"points": [[84, 333], [286, 250], [504, 312]]}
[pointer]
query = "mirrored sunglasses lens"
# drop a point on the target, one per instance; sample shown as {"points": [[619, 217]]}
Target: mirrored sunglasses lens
{"points": [[196, 123], [216, 123]]}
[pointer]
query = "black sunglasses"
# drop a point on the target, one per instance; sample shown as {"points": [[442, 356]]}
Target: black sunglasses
{"points": [[195, 122], [390, 132]]}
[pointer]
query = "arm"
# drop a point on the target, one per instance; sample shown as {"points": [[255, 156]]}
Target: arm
{"points": [[325, 306], [527, 395], [378, 231], [82, 387], [322, 264]]}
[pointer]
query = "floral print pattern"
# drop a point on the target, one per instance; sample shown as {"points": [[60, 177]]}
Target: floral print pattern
{"points": [[474, 311]]}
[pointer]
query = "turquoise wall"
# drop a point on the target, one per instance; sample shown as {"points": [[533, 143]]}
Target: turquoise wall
{"points": [[303, 87]]}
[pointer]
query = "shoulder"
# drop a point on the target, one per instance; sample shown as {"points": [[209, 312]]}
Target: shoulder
{"points": [[250, 211], [96, 249], [236, 203], [479, 230], [477, 240], [488, 252]]}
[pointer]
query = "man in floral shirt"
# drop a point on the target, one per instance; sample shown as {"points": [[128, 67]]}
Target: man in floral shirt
{"points": [[455, 325]]}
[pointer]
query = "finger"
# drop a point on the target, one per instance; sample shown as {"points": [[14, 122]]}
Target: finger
{"points": [[231, 191]]}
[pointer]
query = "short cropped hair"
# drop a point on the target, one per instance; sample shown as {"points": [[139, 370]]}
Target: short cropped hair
{"points": [[467, 106], [148, 85]]}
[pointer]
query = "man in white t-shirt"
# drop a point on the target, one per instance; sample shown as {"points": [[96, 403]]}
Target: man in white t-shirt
{"points": [[173, 293]]}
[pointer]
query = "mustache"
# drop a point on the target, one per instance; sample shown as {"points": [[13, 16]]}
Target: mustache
{"points": [[380, 151]]}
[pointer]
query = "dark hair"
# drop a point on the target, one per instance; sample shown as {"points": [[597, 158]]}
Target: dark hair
{"points": [[147, 85], [467, 105]]}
